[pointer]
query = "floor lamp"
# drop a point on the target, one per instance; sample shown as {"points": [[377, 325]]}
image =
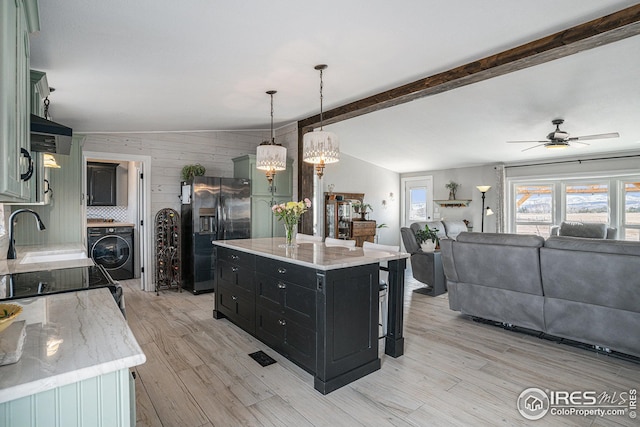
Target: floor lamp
{"points": [[483, 189]]}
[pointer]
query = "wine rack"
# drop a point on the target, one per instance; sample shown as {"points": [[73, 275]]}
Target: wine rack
{"points": [[168, 258]]}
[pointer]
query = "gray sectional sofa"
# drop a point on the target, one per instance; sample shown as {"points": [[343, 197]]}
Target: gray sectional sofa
{"points": [[585, 290]]}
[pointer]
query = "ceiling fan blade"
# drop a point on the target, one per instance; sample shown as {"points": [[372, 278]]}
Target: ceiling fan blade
{"points": [[581, 143], [599, 136], [527, 142], [535, 146]]}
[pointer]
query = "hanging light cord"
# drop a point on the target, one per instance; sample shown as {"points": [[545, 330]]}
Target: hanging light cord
{"points": [[320, 98], [273, 138]]}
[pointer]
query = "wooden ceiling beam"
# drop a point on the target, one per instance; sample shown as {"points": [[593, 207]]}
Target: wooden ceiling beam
{"points": [[598, 32]]}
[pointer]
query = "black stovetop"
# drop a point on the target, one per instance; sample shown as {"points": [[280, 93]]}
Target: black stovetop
{"points": [[36, 283]]}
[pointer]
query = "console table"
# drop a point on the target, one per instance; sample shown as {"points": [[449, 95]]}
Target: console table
{"points": [[316, 305]]}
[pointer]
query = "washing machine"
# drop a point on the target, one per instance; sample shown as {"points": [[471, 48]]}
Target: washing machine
{"points": [[112, 248]]}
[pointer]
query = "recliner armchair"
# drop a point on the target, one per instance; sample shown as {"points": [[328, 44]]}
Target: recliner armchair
{"points": [[423, 265]]}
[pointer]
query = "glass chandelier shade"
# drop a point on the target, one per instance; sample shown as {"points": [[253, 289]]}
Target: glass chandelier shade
{"points": [[271, 157], [320, 147]]}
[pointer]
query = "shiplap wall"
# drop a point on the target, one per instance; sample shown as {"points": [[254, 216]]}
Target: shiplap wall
{"points": [[169, 152]]}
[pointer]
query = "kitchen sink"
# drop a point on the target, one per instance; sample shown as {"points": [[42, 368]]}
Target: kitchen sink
{"points": [[53, 256]]}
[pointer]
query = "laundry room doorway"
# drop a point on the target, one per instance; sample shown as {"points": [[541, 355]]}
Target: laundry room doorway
{"points": [[116, 200]]}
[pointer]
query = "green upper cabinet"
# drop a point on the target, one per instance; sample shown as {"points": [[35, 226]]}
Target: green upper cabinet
{"points": [[18, 18], [263, 222], [245, 167]]}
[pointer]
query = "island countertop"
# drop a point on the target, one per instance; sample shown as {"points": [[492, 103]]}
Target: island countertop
{"points": [[311, 254], [70, 337]]}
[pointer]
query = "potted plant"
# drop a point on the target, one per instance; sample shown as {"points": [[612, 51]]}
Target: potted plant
{"points": [[428, 238], [189, 171], [452, 187], [364, 208]]}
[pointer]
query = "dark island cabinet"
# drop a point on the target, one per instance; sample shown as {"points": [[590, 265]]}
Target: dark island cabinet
{"points": [[324, 321], [286, 309], [235, 290]]}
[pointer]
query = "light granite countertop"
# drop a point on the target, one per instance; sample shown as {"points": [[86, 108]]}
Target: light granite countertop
{"points": [[70, 337], [18, 265], [311, 254]]}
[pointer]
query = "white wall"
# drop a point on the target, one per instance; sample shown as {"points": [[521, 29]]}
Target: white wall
{"points": [[351, 175], [468, 178], [171, 151]]}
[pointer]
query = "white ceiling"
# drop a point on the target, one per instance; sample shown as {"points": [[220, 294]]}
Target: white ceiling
{"points": [[162, 65]]}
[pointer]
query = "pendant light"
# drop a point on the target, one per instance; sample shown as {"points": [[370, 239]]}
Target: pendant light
{"points": [[320, 147], [271, 157]]}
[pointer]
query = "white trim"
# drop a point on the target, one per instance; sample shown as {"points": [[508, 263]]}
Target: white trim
{"points": [[403, 201], [146, 253]]}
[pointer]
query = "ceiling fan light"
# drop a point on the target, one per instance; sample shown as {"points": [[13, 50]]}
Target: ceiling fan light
{"points": [[556, 146], [320, 147]]}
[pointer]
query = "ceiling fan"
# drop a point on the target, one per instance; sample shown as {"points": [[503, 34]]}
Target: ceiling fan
{"points": [[561, 139]]}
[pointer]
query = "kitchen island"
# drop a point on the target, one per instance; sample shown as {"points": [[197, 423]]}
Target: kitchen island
{"points": [[74, 368], [315, 304]]}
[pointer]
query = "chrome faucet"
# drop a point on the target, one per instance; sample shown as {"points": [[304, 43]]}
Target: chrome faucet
{"points": [[11, 253]]}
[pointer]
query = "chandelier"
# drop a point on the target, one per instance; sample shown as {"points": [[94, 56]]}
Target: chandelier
{"points": [[320, 147], [271, 157]]}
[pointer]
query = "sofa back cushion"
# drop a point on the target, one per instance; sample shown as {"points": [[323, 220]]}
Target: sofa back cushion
{"points": [[590, 230], [409, 239], [505, 261], [454, 228], [593, 271]]}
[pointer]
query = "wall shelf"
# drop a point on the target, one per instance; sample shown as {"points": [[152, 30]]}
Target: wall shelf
{"points": [[453, 203]]}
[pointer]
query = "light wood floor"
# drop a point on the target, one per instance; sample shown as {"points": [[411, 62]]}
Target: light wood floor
{"points": [[454, 372]]}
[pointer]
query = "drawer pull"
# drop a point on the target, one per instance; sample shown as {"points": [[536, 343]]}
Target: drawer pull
{"points": [[282, 322], [282, 270], [235, 269], [282, 285], [235, 298], [234, 257]]}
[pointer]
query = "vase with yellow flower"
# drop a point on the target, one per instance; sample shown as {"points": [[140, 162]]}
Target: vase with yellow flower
{"points": [[289, 213]]}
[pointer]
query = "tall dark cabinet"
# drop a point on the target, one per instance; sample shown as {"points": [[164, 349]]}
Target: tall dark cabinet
{"points": [[101, 184]]}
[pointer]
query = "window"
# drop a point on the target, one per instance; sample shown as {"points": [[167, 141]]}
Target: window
{"points": [[418, 199], [537, 204], [631, 220], [534, 209], [587, 203]]}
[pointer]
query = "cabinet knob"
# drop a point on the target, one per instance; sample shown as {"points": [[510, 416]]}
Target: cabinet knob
{"points": [[235, 298], [282, 270], [235, 269], [282, 322], [234, 257], [282, 285]]}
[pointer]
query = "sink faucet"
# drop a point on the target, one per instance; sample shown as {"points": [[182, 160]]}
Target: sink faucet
{"points": [[11, 254]]}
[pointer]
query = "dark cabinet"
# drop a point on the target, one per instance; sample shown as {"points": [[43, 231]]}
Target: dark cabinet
{"points": [[235, 290], [286, 310], [324, 321], [101, 184]]}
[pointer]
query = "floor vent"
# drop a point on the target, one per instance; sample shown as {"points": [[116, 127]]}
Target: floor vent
{"points": [[262, 358]]}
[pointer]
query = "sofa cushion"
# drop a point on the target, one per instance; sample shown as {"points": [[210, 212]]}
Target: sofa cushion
{"points": [[621, 247], [454, 228], [505, 261], [589, 230], [502, 239]]}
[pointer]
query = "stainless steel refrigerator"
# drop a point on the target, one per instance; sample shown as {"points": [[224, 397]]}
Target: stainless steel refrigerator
{"points": [[212, 209]]}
